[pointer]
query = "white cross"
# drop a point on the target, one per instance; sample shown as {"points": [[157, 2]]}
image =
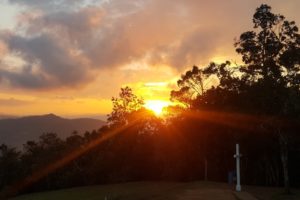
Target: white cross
{"points": [[237, 156]]}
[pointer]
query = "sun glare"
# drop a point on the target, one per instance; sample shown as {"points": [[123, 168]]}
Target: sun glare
{"points": [[156, 106]]}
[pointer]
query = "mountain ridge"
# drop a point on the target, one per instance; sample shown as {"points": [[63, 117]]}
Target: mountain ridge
{"points": [[17, 131]]}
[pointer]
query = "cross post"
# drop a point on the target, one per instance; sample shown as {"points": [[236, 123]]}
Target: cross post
{"points": [[237, 156]]}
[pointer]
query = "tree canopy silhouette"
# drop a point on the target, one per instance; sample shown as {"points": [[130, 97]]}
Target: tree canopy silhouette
{"points": [[266, 85], [123, 106]]}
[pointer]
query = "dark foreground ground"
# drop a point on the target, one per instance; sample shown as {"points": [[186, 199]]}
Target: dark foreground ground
{"points": [[164, 191]]}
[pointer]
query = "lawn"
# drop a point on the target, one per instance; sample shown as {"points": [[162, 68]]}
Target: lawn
{"points": [[125, 191], [272, 193], [159, 191]]}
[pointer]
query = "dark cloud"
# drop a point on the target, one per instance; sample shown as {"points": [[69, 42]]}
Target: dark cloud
{"points": [[53, 4], [48, 63], [65, 43]]}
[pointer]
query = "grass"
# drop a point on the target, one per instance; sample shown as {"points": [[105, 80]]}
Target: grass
{"points": [[272, 193], [126, 191], [153, 191]]}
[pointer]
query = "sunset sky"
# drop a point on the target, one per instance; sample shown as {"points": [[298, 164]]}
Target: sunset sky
{"points": [[69, 57]]}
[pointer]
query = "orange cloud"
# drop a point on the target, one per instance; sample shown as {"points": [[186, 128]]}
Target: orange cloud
{"points": [[89, 49], [67, 44]]}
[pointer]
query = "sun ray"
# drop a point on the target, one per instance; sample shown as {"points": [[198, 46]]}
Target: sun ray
{"points": [[53, 166]]}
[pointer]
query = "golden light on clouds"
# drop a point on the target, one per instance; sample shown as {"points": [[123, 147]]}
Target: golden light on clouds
{"points": [[156, 84], [71, 57], [20, 105]]}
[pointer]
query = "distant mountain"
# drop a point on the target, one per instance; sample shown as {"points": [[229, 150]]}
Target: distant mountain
{"points": [[16, 132], [4, 116]]}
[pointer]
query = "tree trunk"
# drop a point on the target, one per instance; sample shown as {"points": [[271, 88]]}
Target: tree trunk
{"points": [[205, 169], [284, 161]]}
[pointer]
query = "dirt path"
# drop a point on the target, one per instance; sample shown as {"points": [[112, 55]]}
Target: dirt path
{"points": [[214, 194]]}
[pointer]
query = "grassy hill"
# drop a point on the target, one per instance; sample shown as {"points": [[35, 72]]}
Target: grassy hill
{"points": [[163, 191]]}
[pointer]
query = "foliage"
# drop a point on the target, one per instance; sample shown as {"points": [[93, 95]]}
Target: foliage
{"points": [[271, 51], [267, 85], [191, 85], [10, 167], [123, 106]]}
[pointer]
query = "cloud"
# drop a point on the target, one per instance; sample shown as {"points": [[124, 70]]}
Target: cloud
{"points": [[67, 43], [53, 4], [47, 63], [195, 48], [14, 102]]}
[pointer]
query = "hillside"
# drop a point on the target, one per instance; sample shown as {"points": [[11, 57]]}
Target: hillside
{"points": [[4, 116], [15, 132]]}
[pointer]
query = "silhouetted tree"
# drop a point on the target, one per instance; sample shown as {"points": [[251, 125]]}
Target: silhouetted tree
{"points": [[267, 85], [124, 105], [10, 168], [191, 85], [272, 56]]}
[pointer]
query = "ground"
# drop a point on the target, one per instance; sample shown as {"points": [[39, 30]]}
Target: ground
{"points": [[163, 191]]}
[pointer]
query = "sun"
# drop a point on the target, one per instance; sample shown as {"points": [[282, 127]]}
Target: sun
{"points": [[156, 106]]}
